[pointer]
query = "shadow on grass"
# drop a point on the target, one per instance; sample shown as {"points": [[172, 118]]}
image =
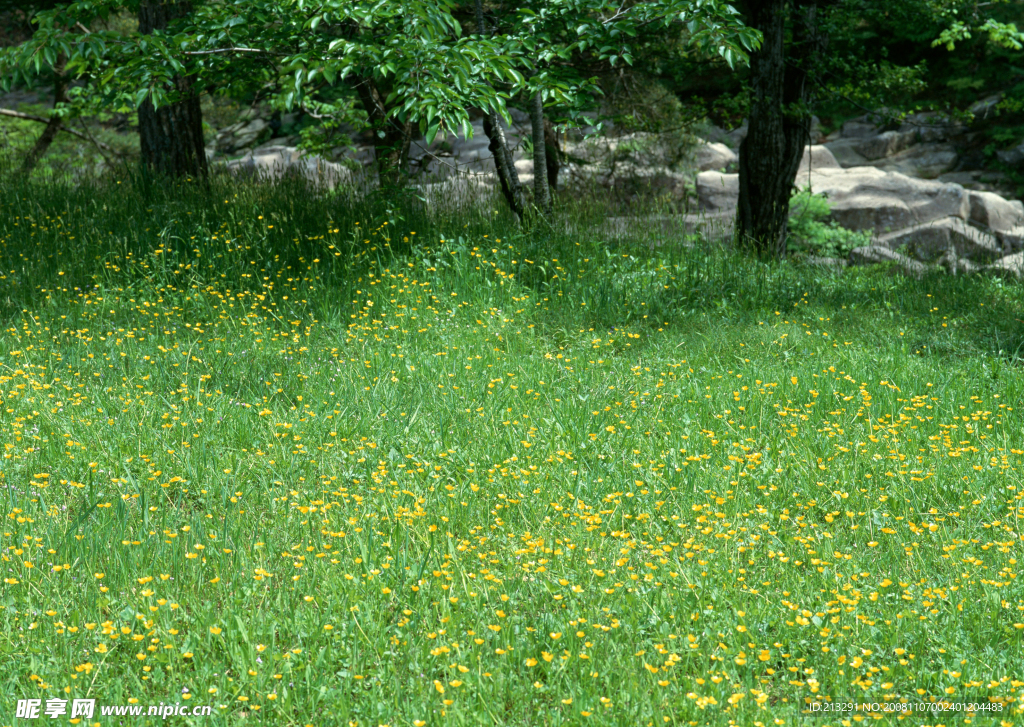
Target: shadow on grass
{"points": [[139, 230]]}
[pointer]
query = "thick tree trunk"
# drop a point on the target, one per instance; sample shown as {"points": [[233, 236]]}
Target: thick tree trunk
{"points": [[779, 124], [171, 137], [504, 164], [392, 138], [541, 191], [553, 154], [52, 126]]}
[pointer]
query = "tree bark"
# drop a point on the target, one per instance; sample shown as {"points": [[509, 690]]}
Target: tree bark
{"points": [[508, 176], [504, 164], [553, 155], [779, 123], [391, 138], [541, 191], [52, 125], [171, 137]]}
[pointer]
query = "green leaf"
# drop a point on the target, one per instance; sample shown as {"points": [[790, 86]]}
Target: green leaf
{"points": [[432, 132]]}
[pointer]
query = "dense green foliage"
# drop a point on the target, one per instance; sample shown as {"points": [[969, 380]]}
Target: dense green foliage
{"points": [[434, 71], [810, 233]]}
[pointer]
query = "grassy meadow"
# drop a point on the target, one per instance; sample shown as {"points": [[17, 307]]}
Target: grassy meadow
{"points": [[314, 460]]}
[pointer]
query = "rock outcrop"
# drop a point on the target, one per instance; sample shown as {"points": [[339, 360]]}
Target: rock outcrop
{"points": [[901, 184], [919, 221]]}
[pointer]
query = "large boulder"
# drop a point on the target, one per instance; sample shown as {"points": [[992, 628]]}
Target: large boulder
{"points": [[707, 156], [862, 198], [930, 126], [274, 162], [865, 198], [717, 192], [994, 212], [934, 240], [884, 145], [859, 129], [924, 161], [638, 148], [844, 149], [815, 159], [241, 135]]}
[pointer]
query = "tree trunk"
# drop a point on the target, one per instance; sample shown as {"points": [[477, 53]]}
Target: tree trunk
{"points": [[508, 176], [541, 191], [391, 138], [52, 126], [171, 137], [504, 164], [553, 154], [779, 125]]}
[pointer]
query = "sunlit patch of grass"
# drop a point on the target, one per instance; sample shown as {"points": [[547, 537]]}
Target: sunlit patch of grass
{"points": [[317, 462]]}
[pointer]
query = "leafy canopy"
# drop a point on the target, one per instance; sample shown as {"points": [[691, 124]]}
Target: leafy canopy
{"points": [[417, 49]]}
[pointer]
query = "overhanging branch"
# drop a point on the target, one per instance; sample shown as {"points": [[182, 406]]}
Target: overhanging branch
{"points": [[41, 120]]}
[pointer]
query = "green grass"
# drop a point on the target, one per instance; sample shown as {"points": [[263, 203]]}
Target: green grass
{"points": [[275, 453]]}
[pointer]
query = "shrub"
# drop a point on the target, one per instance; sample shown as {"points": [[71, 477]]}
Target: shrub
{"points": [[810, 234]]}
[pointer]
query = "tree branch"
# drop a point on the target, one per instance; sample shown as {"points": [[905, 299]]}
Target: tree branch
{"points": [[40, 119], [230, 50]]}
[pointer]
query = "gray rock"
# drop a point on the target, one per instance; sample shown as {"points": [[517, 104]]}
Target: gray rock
{"points": [[859, 129], [955, 265], [1010, 267], [1011, 240], [934, 241], [865, 198], [716, 226], [845, 152], [874, 254], [519, 117], [981, 180], [459, 191], [884, 145], [815, 159], [240, 135], [712, 134], [982, 109], [275, 162], [1013, 156], [815, 130], [668, 226], [635, 181], [924, 161], [994, 212], [708, 156], [717, 192], [930, 126], [736, 136], [825, 262], [524, 166]]}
